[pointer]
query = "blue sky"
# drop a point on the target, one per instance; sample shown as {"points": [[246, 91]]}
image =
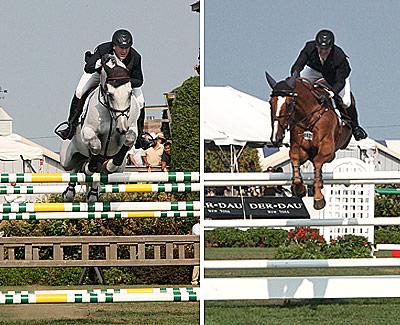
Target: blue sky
{"points": [[245, 38]]}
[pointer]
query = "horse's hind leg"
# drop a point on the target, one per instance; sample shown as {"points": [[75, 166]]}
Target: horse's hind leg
{"points": [[92, 195], [322, 157], [69, 193]]}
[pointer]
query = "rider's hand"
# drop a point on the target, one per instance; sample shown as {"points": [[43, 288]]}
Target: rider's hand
{"points": [[331, 93], [98, 64], [325, 98]]}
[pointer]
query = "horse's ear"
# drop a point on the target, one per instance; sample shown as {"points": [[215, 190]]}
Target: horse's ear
{"points": [[271, 81], [296, 74], [291, 82], [108, 62], [105, 58]]}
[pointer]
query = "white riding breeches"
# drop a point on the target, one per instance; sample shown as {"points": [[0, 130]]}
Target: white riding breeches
{"points": [[314, 75], [89, 80]]}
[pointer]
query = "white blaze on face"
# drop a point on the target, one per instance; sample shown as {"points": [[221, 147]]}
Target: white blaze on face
{"points": [[279, 104]]}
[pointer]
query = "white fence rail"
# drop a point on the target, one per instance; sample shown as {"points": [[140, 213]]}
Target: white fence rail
{"points": [[301, 287]]}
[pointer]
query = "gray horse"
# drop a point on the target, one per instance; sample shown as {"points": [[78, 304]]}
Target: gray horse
{"points": [[107, 129]]}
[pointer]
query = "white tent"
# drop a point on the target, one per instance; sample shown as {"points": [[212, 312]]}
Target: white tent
{"points": [[233, 118], [11, 149]]}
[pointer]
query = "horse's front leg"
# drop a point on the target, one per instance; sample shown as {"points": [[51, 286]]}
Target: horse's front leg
{"points": [[89, 138], [69, 193], [297, 157], [117, 162], [92, 194]]}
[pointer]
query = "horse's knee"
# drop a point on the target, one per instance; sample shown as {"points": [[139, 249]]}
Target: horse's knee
{"points": [[95, 146], [130, 138], [346, 100], [90, 138]]}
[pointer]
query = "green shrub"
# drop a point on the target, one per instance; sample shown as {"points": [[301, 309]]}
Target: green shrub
{"points": [[387, 205], [349, 246], [267, 237], [299, 251], [231, 237], [228, 237], [306, 243], [387, 235], [217, 159], [155, 275], [185, 128]]}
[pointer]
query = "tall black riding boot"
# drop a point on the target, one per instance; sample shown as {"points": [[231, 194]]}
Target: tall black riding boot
{"points": [[74, 112], [358, 132], [140, 127]]}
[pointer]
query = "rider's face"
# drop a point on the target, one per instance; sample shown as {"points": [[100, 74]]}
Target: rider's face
{"points": [[323, 53], [121, 53]]}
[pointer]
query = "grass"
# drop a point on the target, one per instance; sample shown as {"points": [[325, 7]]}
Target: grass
{"points": [[115, 313], [321, 312], [317, 311], [101, 313]]}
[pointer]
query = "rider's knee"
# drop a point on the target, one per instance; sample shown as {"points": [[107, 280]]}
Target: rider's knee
{"points": [[79, 92], [346, 100]]}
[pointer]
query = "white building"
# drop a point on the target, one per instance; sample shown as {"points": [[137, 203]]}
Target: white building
{"points": [[18, 154]]}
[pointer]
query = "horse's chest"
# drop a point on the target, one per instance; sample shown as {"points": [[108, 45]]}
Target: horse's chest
{"points": [[111, 140]]}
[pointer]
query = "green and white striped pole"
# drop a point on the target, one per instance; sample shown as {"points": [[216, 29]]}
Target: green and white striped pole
{"points": [[100, 296], [99, 206], [96, 215], [111, 188], [128, 177]]}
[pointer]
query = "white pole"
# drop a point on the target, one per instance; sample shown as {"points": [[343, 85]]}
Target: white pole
{"points": [[254, 223], [301, 287], [278, 264]]}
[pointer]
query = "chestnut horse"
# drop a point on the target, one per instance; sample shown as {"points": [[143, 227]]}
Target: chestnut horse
{"points": [[316, 131]]}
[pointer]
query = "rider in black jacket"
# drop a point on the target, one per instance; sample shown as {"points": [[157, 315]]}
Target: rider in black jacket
{"points": [[321, 58], [121, 46]]}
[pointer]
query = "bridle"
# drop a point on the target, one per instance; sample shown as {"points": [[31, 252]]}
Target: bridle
{"points": [[114, 113], [291, 107]]}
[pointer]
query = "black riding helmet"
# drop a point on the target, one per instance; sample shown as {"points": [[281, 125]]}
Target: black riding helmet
{"points": [[325, 39], [122, 38]]}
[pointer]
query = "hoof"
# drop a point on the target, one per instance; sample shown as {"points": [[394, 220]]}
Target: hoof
{"points": [[299, 190], [69, 194], [109, 167], [297, 181], [319, 204], [92, 195], [85, 169]]}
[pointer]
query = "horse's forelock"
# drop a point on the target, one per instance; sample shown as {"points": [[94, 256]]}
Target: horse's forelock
{"points": [[118, 72], [117, 76], [282, 87]]}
